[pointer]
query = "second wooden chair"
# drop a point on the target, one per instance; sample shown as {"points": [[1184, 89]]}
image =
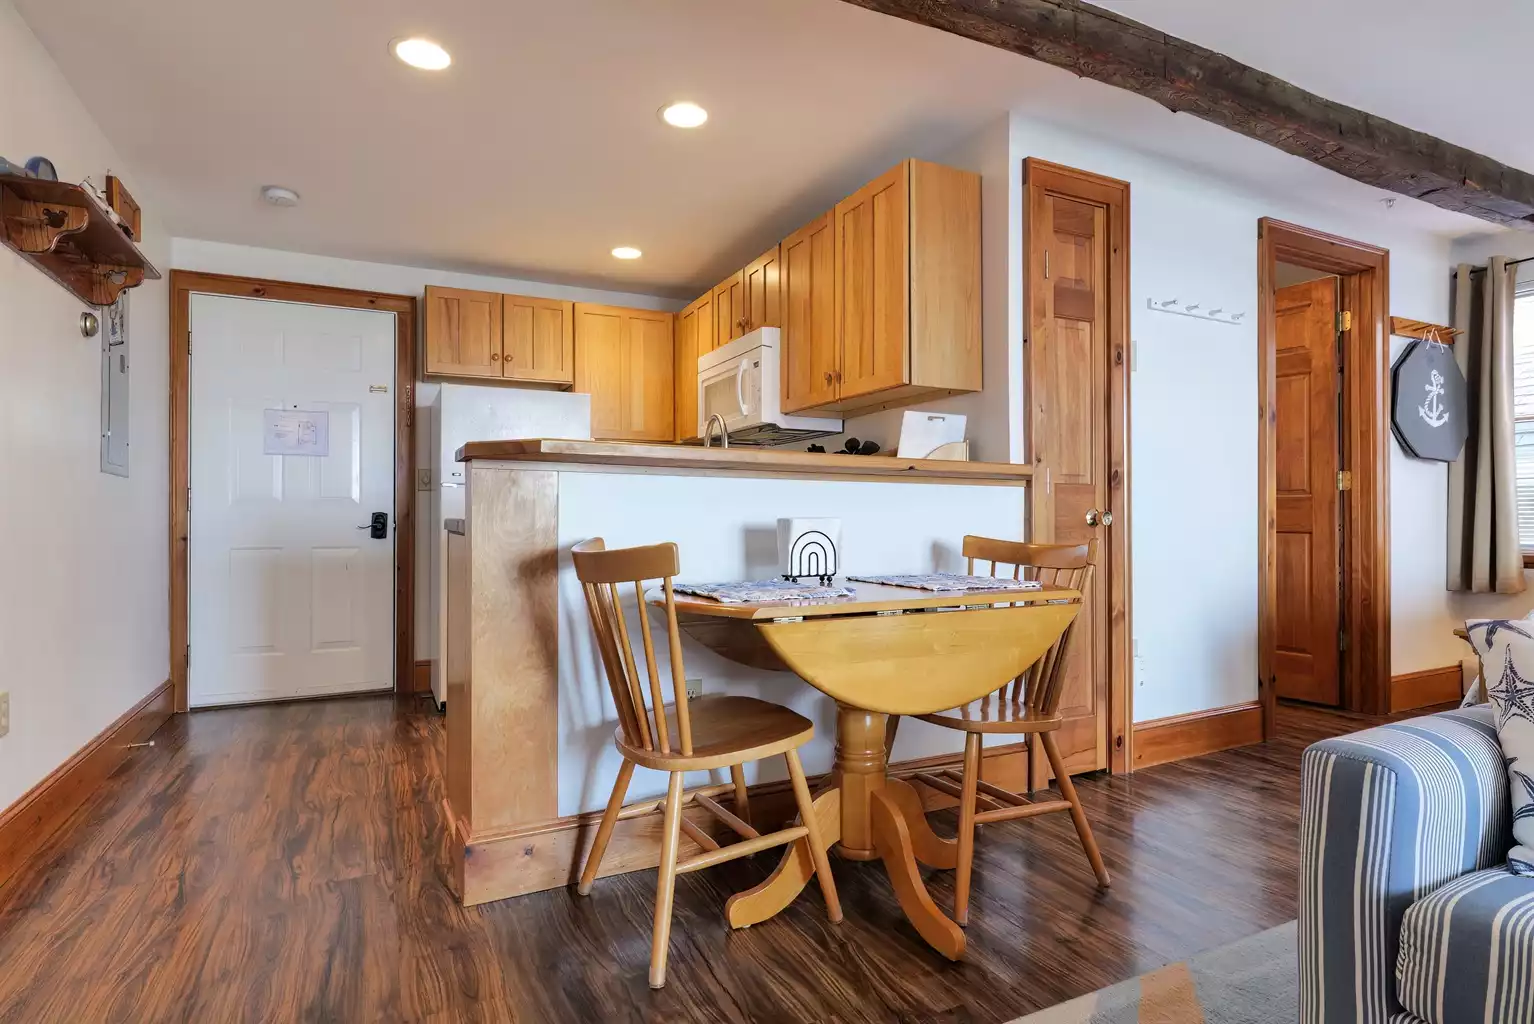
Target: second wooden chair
{"points": [[1029, 704], [710, 732]]}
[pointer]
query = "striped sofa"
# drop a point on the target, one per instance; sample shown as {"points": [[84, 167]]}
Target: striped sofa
{"points": [[1407, 914]]}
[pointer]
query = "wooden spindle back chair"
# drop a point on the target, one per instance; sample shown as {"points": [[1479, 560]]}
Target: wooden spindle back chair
{"points": [[711, 732], [1029, 704]]}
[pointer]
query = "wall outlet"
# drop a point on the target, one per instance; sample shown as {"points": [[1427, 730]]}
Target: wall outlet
{"points": [[5, 713], [694, 690]]}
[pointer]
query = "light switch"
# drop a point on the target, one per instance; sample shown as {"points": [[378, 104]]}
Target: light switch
{"points": [[423, 479], [5, 713]]}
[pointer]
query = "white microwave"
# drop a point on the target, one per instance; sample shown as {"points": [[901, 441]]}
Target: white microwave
{"points": [[742, 381]]}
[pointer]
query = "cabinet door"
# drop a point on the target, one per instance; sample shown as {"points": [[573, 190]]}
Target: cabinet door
{"points": [[873, 284], [729, 309], [763, 281], [694, 334], [539, 340], [623, 360], [811, 355], [463, 333]]}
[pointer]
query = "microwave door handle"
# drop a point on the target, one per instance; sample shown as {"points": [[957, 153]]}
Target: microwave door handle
{"points": [[740, 385]]}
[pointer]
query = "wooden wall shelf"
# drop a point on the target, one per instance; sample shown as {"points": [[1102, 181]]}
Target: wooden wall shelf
{"points": [[65, 232], [1401, 326]]}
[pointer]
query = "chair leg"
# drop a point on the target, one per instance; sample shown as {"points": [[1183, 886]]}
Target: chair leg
{"points": [[1078, 815], [665, 887], [742, 801], [605, 829], [967, 827], [1028, 757], [817, 848]]}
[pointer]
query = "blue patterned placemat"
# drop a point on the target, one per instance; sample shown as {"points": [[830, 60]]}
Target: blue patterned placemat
{"points": [[759, 591], [946, 582]]}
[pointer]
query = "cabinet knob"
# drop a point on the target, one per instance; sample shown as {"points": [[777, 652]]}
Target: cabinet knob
{"points": [[828, 377], [495, 357]]}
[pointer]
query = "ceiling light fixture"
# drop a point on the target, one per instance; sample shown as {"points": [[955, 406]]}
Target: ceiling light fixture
{"points": [[627, 252], [278, 195], [685, 114], [421, 53]]}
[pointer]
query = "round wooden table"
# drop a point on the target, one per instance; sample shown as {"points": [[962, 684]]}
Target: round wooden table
{"points": [[885, 651]]}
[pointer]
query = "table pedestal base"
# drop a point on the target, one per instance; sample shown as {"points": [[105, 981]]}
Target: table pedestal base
{"points": [[866, 816]]}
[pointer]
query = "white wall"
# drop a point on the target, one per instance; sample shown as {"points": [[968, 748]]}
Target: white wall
{"points": [[84, 607], [275, 265]]}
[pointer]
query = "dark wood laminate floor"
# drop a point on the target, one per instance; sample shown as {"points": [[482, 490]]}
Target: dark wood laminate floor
{"points": [[283, 863]]}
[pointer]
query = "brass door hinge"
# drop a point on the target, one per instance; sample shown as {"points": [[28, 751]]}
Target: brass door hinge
{"points": [[1345, 480], [1344, 320]]}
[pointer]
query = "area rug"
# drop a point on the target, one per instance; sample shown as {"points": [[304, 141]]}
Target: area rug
{"points": [[1254, 981]]}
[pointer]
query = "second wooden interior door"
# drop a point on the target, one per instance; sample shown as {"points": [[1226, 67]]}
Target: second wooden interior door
{"points": [[1308, 551]]}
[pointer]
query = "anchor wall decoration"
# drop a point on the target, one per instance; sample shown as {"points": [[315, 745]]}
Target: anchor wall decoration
{"points": [[1429, 401]]}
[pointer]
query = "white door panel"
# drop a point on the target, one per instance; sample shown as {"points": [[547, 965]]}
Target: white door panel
{"points": [[289, 594]]}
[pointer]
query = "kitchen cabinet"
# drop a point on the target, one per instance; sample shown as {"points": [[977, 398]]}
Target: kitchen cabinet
{"points": [[463, 333], [763, 280], [729, 309], [488, 336], [811, 355], [624, 360], [906, 311], [538, 340], [694, 337]]}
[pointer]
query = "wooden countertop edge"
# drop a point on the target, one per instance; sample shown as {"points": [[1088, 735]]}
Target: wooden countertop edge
{"points": [[656, 456]]}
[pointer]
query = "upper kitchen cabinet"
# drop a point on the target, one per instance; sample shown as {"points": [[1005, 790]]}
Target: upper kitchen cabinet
{"points": [[729, 309], [463, 333], [694, 337], [811, 356], [906, 319], [538, 343], [763, 290], [511, 338], [624, 360]]}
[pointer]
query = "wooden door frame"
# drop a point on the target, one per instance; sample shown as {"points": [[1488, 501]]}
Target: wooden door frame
{"points": [[1039, 177], [183, 284], [1365, 275]]}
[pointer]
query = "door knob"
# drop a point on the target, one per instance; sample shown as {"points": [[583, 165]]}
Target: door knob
{"points": [[1107, 518], [1093, 518]]}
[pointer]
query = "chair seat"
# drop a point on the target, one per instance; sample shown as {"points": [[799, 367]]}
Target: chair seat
{"points": [[989, 714], [1465, 951], [726, 730]]}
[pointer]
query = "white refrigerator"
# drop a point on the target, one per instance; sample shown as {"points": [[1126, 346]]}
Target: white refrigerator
{"points": [[461, 413]]}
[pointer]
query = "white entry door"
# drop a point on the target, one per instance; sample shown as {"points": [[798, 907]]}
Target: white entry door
{"points": [[292, 453]]}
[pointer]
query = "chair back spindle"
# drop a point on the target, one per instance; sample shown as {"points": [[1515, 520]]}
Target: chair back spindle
{"points": [[1061, 565], [601, 572]]}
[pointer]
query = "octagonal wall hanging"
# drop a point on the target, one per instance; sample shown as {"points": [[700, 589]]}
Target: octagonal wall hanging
{"points": [[1428, 405]]}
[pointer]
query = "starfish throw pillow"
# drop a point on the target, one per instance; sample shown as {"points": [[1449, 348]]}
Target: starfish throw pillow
{"points": [[1507, 652]]}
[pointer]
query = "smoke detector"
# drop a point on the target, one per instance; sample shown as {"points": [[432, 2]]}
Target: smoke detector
{"points": [[277, 195]]}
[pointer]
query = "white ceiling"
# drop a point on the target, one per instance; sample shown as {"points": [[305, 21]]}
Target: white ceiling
{"points": [[540, 149]]}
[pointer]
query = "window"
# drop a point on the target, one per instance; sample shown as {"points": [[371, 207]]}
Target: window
{"points": [[1523, 412]]}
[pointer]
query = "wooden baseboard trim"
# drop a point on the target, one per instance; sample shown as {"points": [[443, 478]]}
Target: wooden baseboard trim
{"points": [[420, 680], [549, 854], [27, 823], [1426, 688], [1202, 732]]}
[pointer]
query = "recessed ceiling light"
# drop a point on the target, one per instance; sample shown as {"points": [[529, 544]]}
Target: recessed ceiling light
{"points": [[627, 252], [421, 53], [684, 115], [278, 195]]}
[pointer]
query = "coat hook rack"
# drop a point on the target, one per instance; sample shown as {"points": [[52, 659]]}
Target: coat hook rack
{"points": [[1195, 310]]}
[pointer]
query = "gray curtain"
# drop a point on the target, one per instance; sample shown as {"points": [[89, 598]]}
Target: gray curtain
{"points": [[1484, 554]]}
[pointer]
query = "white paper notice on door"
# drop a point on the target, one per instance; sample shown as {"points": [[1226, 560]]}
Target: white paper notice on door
{"points": [[295, 432]]}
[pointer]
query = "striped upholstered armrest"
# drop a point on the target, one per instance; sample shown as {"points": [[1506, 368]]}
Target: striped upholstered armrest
{"points": [[1389, 815]]}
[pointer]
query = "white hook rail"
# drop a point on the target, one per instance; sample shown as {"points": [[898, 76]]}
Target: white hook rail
{"points": [[1196, 310]]}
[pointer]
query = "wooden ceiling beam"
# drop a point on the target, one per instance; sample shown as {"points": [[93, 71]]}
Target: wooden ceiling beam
{"points": [[1187, 78]]}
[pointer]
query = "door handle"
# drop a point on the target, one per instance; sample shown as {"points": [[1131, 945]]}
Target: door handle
{"points": [[1096, 518], [378, 526]]}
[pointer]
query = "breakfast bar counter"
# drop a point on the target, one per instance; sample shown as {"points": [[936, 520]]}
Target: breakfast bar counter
{"points": [[530, 759]]}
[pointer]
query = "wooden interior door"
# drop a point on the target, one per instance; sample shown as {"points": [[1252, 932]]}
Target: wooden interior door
{"points": [[1076, 276], [1308, 550], [463, 332], [763, 277], [538, 343], [873, 288], [811, 355]]}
